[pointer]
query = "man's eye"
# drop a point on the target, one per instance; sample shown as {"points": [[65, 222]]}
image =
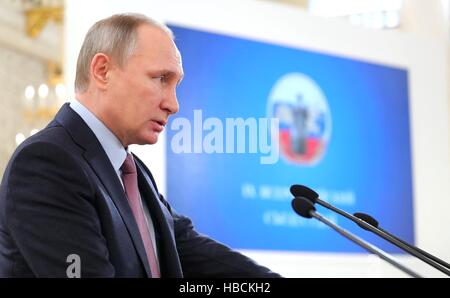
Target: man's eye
{"points": [[162, 78]]}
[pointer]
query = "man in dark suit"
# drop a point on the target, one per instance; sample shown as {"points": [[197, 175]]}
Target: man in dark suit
{"points": [[73, 195]]}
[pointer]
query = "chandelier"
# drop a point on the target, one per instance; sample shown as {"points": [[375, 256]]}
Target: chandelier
{"points": [[42, 101]]}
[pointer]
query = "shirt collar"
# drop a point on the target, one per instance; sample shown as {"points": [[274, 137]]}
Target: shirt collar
{"points": [[110, 143]]}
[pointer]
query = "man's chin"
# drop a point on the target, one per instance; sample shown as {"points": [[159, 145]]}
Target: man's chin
{"points": [[149, 139]]}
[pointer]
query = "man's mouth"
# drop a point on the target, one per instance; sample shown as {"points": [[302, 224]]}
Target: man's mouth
{"points": [[161, 122], [159, 125]]}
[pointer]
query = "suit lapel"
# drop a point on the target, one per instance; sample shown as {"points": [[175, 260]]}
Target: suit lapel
{"points": [[104, 170], [98, 160], [163, 221]]}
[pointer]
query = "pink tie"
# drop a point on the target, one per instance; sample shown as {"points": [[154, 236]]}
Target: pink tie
{"points": [[129, 178]]}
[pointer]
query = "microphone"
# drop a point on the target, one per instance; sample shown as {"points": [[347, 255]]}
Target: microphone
{"points": [[367, 218], [373, 222], [305, 208], [313, 197]]}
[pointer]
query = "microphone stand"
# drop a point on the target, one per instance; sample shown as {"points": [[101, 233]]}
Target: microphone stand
{"points": [[374, 223], [369, 227], [305, 208]]}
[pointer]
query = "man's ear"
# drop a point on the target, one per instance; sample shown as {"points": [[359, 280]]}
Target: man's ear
{"points": [[100, 66]]}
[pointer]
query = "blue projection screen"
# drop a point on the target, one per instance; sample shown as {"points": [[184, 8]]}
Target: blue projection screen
{"points": [[343, 131]]}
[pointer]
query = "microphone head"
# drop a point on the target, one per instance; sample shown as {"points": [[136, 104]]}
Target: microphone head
{"points": [[305, 192], [367, 218], [303, 207]]}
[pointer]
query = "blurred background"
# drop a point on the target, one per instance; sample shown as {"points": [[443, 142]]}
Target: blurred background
{"points": [[381, 67]]}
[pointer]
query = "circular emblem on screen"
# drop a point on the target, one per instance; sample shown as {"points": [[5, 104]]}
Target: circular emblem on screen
{"points": [[305, 120]]}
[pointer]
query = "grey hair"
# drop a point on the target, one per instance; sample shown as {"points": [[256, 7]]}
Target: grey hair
{"points": [[114, 36]]}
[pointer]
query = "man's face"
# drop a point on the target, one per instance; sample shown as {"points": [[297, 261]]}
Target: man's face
{"points": [[142, 94]]}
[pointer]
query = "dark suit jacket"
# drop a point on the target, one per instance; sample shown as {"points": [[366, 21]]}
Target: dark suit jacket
{"points": [[60, 196]]}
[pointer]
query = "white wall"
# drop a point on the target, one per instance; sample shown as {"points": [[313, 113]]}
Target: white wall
{"points": [[12, 29], [425, 59]]}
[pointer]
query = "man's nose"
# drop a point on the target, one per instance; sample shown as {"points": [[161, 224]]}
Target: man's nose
{"points": [[170, 103]]}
